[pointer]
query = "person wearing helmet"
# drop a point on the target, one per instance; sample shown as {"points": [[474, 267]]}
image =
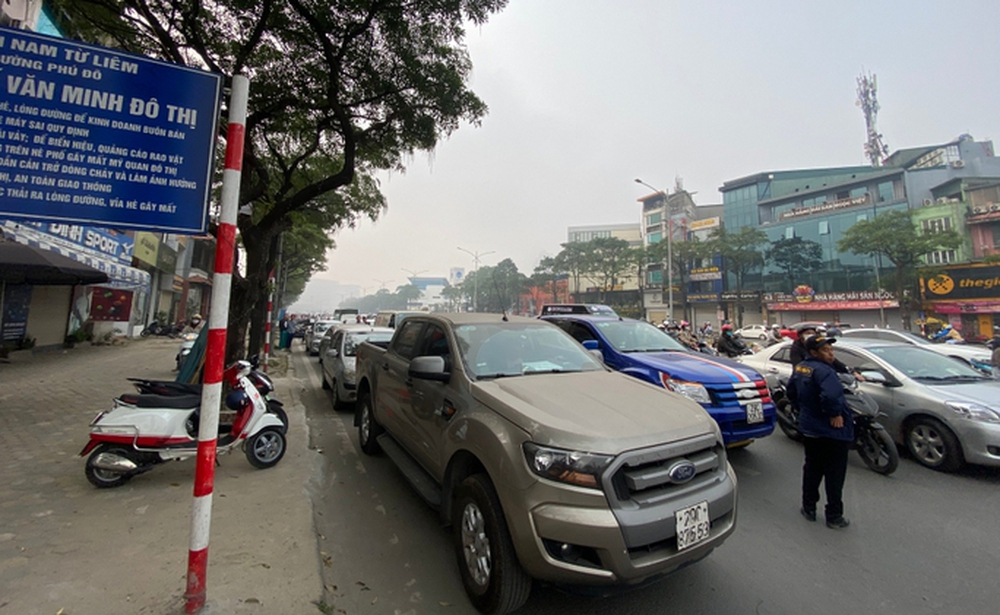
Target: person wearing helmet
{"points": [[729, 345], [194, 325], [686, 337]]}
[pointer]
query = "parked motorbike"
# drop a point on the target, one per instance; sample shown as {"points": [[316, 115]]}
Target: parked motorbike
{"points": [[156, 328], [873, 443], [143, 430], [706, 349], [170, 388]]}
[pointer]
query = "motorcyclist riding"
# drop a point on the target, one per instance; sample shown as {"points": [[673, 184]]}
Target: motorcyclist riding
{"points": [[194, 325], [686, 337], [728, 344], [948, 334]]}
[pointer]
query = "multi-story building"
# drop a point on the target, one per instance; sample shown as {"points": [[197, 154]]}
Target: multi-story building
{"points": [[589, 288], [819, 205]]}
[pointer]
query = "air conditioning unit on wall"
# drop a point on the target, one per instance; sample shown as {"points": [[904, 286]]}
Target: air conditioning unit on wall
{"points": [[979, 210], [957, 164], [994, 206], [928, 202]]}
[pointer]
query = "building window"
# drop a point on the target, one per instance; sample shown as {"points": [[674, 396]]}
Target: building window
{"points": [[936, 225], [652, 219], [824, 227], [859, 192], [789, 232], [654, 238], [885, 192], [940, 257]]}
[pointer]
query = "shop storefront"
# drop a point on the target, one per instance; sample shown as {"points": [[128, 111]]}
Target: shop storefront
{"points": [[53, 312], [855, 308], [967, 297]]}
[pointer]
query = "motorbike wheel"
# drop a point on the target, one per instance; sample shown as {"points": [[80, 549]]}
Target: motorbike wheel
{"points": [[279, 412], [787, 421], [266, 448], [145, 332], [368, 428], [106, 479], [491, 574], [878, 451]]}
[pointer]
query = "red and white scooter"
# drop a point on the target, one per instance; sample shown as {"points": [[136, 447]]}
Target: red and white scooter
{"points": [[144, 430]]}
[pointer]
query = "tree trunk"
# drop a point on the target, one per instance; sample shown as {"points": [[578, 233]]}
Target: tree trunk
{"points": [[249, 294], [904, 304]]}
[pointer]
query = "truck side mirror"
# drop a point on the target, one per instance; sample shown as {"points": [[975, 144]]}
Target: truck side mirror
{"points": [[429, 368], [591, 345]]}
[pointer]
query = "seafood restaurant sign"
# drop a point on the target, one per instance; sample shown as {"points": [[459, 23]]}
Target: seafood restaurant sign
{"points": [[95, 136]]}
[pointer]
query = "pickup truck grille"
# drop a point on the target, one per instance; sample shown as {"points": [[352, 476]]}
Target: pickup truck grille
{"points": [[644, 497], [643, 477], [738, 393]]}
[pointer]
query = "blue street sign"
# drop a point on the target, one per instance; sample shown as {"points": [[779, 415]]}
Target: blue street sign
{"points": [[94, 136]]}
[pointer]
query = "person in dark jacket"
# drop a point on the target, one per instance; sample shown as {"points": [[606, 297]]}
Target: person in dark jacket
{"points": [[825, 421], [729, 345], [798, 352]]}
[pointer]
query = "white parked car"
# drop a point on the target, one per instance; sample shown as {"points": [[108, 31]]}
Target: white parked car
{"points": [[753, 332], [337, 352], [976, 356], [942, 410]]}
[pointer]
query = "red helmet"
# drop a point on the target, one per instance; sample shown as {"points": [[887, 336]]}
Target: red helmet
{"points": [[727, 327]]}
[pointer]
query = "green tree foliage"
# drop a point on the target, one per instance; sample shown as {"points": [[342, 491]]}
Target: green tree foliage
{"points": [[383, 299], [499, 287], [544, 278], [893, 235], [338, 91], [572, 260], [609, 261], [741, 254], [795, 257]]}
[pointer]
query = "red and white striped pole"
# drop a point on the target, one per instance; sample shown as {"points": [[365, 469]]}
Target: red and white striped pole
{"points": [[215, 353], [267, 324]]}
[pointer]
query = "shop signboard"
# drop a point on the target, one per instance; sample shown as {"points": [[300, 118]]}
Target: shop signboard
{"points": [[91, 135], [805, 299], [109, 243], [16, 300], [974, 282], [147, 245]]}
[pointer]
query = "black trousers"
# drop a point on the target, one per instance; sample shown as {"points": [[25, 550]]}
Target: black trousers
{"points": [[826, 461]]}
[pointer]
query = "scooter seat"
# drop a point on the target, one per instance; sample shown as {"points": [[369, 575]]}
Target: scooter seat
{"points": [[176, 402], [165, 387]]}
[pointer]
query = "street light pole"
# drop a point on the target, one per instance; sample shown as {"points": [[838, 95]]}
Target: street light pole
{"points": [[670, 248], [475, 278]]}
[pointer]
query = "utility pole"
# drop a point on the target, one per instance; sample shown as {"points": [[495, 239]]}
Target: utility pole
{"points": [[475, 278]]}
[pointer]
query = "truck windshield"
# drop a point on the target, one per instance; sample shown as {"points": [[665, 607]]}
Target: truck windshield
{"points": [[515, 349], [634, 336]]}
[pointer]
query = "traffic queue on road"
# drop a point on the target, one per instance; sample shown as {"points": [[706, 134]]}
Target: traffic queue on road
{"points": [[586, 449]]}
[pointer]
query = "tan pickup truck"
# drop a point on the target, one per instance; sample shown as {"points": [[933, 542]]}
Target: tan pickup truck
{"points": [[546, 464]]}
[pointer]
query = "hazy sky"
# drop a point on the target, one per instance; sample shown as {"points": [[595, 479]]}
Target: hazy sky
{"points": [[586, 95]]}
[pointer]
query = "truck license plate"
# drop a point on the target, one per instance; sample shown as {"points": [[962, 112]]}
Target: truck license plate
{"points": [[692, 525], [755, 412]]}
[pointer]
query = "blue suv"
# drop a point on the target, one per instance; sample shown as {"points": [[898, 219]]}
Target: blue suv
{"points": [[734, 395]]}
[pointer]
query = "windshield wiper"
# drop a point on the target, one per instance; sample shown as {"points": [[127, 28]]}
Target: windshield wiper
{"points": [[648, 350], [494, 376], [556, 370], [950, 378]]}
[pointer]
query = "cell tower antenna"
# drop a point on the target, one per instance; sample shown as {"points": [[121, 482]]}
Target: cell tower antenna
{"points": [[875, 149]]}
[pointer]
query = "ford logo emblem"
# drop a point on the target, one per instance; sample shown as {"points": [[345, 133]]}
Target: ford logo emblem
{"points": [[681, 471], [747, 393]]}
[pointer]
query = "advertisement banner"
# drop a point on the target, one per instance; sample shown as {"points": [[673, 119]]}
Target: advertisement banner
{"points": [[147, 246], [104, 242], [963, 283], [110, 304], [16, 301], [817, 306], [90, 135]]}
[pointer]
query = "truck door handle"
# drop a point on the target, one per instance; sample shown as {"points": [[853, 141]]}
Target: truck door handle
{"points": [[409, 383], [385, 367], [772, 370]]}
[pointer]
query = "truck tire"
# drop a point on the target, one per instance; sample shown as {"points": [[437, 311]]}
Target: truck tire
{"points": [[368, 428], [492, 576]]}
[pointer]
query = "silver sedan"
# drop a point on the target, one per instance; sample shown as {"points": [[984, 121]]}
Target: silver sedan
{"points": [[945, 412], [337, 356]]}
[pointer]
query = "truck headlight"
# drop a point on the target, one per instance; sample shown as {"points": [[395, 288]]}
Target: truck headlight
{"points": [[350, 375], [974, 411], [573, 467], [691, 390]]}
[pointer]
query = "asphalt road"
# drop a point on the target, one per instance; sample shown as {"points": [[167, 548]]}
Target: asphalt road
{"points": [[920, 542]]}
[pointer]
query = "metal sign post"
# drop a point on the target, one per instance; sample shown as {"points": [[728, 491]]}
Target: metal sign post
{"points": [[215, 354]]}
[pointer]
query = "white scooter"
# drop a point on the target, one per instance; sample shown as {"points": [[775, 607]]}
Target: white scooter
{"points": [[144, 430]]}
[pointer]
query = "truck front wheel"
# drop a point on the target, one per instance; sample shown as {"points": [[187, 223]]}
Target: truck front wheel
{"points": [[368, 428], [491, 574]]}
